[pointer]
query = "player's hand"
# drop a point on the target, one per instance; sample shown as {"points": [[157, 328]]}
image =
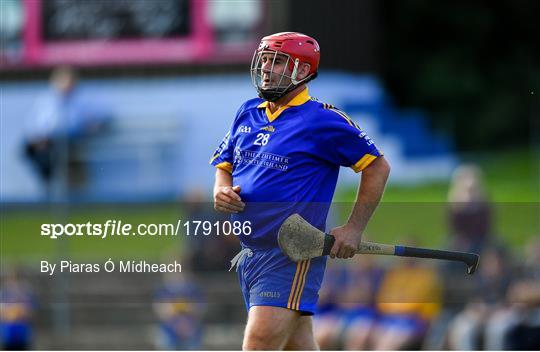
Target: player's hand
{"points": [[347, 240], [227, 200]]}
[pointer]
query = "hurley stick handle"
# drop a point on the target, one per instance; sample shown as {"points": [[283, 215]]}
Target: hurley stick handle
{"points": [[470, 259], [363, 247]]}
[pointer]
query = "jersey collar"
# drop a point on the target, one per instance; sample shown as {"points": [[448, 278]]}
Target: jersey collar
{"points": [[299, 99]]}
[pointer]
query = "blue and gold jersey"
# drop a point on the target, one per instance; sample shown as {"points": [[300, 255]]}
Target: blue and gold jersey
{"points": [[289, 161]]}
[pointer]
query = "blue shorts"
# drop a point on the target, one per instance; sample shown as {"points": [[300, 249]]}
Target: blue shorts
{"points": [[269, 278]]}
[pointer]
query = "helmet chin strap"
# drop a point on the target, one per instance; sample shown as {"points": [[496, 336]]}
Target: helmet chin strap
{"points": [[275, 94]]}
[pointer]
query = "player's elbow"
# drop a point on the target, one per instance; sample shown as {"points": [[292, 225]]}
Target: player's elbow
{"points": [[379, 168], [385, 166]]}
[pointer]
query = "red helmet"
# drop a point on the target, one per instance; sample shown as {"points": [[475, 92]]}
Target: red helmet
{"points": [[298, 48], [297, 45]]}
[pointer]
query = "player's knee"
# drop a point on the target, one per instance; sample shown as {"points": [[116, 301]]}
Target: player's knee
{"points": [[264, 339], [269, 327], [302, 338], [302, 342]]}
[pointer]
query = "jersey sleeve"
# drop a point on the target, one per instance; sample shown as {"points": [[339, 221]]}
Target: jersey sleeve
{"points": [[223, 156], [341, 141]]}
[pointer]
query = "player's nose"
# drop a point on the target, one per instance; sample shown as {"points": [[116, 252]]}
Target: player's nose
{"points": [[266, 67]]}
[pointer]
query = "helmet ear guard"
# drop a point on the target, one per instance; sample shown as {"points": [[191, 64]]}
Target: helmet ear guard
{"points": [[295, 72]]}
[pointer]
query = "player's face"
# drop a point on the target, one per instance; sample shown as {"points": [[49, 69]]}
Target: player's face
{"points": [[275, 70]]}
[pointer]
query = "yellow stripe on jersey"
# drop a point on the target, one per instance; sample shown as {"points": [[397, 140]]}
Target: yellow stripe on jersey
{"points": [[328, 106], [346, 117], [363, 162], [215, 157], [342, 114], [225, 166], [221, 147]]}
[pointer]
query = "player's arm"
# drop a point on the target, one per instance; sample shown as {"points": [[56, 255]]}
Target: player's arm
{"points": [[226, 196], [370, 191]]}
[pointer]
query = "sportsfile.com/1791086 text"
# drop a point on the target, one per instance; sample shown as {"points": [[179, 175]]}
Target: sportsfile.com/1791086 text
{"points": [[119, 228]]}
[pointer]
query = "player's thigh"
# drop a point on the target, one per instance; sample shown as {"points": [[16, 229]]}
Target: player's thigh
{"points": [[302, 337], [268, 328]]}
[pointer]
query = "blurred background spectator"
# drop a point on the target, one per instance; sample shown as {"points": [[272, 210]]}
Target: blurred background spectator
{"points": [[409, 300], [470, 212], [347, 310], [179, 310], [17, 304], [60, 121], [368, 308], [505, 315], [467, 329]]}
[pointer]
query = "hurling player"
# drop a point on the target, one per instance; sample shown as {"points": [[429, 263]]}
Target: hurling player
{"points": [[281, 156]]}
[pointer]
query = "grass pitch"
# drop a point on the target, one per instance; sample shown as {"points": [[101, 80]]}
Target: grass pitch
{"points": [[418, 212]]}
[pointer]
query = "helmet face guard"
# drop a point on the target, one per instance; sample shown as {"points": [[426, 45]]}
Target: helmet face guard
{"points": [[272, 85]]}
